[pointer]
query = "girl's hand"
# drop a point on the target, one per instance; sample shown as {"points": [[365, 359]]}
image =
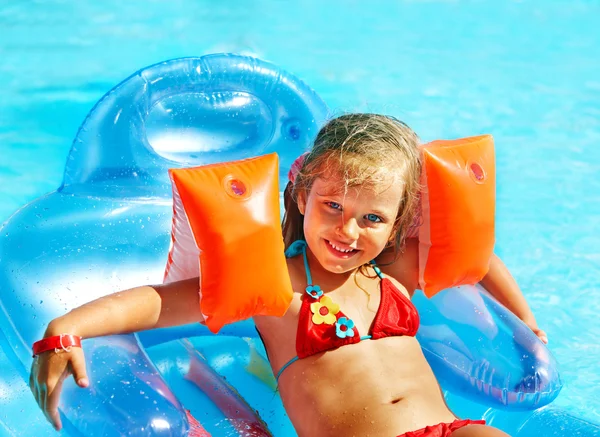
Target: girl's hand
{"points": [[539, 332], [48, 372]]}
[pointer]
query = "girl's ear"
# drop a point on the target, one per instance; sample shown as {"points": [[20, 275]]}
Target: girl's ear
{"points": [[301, 201]]}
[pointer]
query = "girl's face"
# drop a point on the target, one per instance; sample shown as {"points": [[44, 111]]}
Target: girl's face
{"points": [[345, 230]]}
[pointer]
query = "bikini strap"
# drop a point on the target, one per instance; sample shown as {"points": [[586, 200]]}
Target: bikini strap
{"points": [[295, 249], [299, 247], [285, 366], [306, 268], [377, 269]]}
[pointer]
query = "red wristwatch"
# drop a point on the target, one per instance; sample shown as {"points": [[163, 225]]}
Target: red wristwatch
{"points": [[58, 342]]}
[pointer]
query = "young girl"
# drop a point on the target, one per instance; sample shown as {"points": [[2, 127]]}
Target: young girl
{"points": [[344, 355]]}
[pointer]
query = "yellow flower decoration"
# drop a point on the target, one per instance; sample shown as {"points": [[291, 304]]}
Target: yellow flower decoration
{"points": [[324, 311]]}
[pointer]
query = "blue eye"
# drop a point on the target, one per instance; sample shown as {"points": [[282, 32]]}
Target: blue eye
{"points": [[373, 218], [334, 205]]}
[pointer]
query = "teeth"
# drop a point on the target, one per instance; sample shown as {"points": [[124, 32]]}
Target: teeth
{"points": [[339, 249]]}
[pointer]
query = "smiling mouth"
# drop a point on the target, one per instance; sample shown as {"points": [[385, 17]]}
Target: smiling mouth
{"points": [[339, 251]]}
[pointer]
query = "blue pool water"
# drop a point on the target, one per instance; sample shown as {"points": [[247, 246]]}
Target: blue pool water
{"points": [[524, 71]]}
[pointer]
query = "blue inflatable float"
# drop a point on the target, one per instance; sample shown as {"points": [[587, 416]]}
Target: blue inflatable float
{"points": [[108, 226]]}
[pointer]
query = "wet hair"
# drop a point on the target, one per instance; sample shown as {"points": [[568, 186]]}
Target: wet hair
{"points": [[362, 149]]}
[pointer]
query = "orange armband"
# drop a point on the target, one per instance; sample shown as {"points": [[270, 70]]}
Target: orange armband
{"points": [[227, 231], [456, 237]]}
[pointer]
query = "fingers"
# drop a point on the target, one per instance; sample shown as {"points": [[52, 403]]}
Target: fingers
{"points": [[33, 385], [32, 380], [49, 396], [78, 369], [542, 336], [48, 372], [51, 407]]}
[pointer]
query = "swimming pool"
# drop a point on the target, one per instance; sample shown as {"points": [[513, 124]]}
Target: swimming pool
{"points": [[523, 72]]}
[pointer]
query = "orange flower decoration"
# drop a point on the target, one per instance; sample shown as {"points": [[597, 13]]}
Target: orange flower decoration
{"points": [[324, 311]]}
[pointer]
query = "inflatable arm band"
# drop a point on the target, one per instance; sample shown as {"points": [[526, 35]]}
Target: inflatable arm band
{"points": [[456, 237], [228, 215]]}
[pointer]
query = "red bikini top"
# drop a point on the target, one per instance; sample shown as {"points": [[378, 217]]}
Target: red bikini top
{"points": [[322, 326]]}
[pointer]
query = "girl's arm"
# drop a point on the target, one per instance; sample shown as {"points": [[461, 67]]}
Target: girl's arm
{"points": [[127, 311], [136, 309], [500, 283]]}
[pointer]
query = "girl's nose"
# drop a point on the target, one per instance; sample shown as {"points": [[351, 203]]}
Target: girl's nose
{"points": [[349, 229]]}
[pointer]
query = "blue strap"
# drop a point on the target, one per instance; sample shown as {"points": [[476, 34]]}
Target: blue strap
{"points": [[308, 275], [377, 269], [285, 366], [299, 247], [295, 249]]}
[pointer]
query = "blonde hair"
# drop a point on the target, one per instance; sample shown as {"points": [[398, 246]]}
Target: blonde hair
{"points": [[358, 147]]}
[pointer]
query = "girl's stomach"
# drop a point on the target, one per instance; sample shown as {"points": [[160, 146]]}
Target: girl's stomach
{"points": [[379, 388]]}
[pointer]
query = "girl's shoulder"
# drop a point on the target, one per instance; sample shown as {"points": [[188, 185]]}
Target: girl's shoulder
{"points": [[402, 266]]}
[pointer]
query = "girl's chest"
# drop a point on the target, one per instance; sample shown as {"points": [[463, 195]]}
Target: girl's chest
{"points": [[359, 300]]}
